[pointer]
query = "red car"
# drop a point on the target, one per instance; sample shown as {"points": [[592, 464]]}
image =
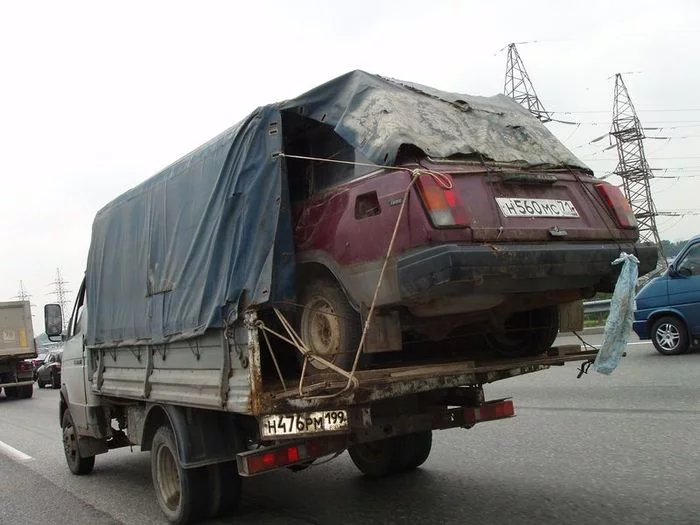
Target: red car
{"points": [[483, 248]]}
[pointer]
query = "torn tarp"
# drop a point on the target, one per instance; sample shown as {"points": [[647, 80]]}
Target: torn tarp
{"points": [[211, 234]]}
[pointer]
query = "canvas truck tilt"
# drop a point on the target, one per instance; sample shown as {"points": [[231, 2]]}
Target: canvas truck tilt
{"points": [[494, 224]]}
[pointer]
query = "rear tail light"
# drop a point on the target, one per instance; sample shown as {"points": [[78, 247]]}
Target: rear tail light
{"points": [[442, 202], [23, 366], [618, 204], [285, 455]]}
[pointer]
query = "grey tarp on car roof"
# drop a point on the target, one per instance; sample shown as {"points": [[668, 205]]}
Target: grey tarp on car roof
{"points": [[211, 234]]}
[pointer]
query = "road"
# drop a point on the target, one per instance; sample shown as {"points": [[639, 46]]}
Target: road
{"points": [[595, 450]]}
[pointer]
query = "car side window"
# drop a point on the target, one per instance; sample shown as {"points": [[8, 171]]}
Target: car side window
{"points": [[691, 261]]}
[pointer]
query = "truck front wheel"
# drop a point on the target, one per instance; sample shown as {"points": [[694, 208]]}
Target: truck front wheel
{"points": [[77, 464], [182, 493]]}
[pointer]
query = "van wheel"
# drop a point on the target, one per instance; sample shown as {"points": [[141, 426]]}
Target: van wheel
{"points": [[329, 326], [183, 494], [525, 334], [670, 336], [77, 464]]}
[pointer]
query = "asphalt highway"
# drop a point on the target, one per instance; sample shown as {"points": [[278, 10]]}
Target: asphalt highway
{"points": [[595, 450]]}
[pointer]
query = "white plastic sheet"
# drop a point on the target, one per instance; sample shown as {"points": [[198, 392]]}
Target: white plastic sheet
{"points": [[619, 323]]}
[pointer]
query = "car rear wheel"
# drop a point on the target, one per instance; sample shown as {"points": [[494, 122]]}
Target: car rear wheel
{"points": [[525, 334], [670, 336], [329, 326], [77, 464]]}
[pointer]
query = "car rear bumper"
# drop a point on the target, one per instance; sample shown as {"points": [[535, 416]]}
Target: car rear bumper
{"points": [[506, 269]]}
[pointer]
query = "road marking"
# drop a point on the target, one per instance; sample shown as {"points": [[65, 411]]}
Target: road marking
{"points": [[13, 452], [639, 343]]}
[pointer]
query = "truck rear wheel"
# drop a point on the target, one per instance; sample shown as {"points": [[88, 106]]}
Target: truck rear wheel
{"points": [[393, 455], [77, 464], [26, 391], [329, 326], [11, 392], [182, 493], [225, 489]]}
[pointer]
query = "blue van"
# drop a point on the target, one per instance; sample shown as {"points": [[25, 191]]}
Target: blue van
{"points": [[668, 307]]}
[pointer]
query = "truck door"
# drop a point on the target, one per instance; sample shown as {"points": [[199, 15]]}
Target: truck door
{"points": [[72, 373]]}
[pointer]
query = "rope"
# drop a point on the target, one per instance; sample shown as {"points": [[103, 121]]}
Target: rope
{"points": [[442, 180]]}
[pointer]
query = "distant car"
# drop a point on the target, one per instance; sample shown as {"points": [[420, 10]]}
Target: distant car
{"points": [[49, 373], [668, 307], [38, 361]]}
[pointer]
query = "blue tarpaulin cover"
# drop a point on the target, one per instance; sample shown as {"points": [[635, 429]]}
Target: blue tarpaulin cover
{"points": [[211, 235]]}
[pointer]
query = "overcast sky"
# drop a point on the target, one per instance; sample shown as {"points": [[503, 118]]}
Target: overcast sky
{"points": [[95, 97]]}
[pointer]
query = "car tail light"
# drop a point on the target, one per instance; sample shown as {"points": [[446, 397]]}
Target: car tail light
{"points": [[442, 202], [23, 366], [618, 204]]}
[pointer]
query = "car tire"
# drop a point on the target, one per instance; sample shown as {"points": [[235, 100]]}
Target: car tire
{"points": [[55, 380], [329, 326], [40, 383], [669, 336], [525, 334], [184, 495], [78, 465]]}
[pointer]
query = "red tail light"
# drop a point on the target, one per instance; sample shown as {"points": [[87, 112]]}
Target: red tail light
{"points": [[24, 366], [617, 203], [443, 204]]}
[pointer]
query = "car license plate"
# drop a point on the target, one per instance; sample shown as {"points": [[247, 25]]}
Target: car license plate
{"points": [[513, 207], [306, 423]]}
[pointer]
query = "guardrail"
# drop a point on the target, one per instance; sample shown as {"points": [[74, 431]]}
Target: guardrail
{"points": [[594, 307]]}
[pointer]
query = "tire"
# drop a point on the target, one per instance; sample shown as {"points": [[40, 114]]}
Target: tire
{"points": [[11, 392], [77, 464], [669, 336], [376, 459], [40, 383], [26, 391], [328, 325], [55, 380], [414, 449], [525, 334], [184, 495], [225, 488]]}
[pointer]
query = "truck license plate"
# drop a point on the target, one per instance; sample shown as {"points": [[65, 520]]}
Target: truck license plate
{"points": [[306, 423], [512, 207]]}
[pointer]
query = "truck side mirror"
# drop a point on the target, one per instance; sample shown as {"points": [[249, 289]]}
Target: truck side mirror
{"points": [[53, 320]]}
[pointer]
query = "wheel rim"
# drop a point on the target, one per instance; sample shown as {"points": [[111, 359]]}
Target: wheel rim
{"points": [[668, 336], [70, 445], [321, 329], [168, 478]]}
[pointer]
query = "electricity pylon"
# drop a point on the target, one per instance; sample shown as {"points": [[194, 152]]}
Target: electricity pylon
{"points": [[61, 294], [519, 87], [633, 168]]}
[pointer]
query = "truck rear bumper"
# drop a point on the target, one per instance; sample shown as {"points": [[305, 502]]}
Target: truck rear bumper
{"points": [[18, 383], [514, 268]]}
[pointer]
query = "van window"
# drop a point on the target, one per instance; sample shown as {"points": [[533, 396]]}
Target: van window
{"points": [[691, 260]]}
